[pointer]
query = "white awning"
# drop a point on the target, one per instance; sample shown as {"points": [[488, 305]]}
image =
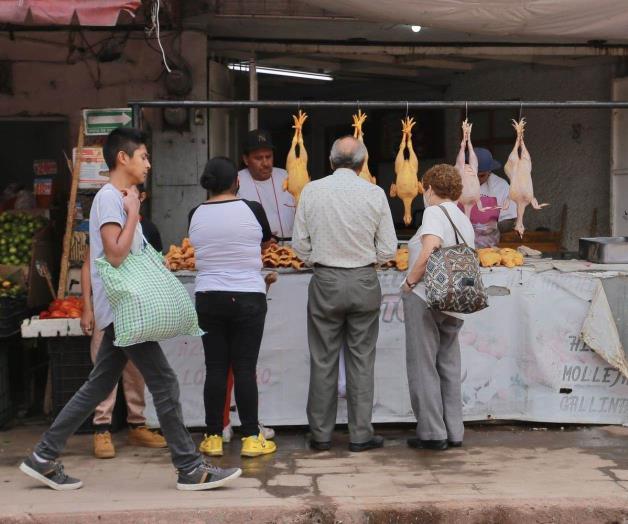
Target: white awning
{"points": [[573, 20]]}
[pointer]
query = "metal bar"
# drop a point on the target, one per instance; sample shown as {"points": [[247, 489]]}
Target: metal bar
{"points": [[253, 112], [136, 108], [383, 104]]}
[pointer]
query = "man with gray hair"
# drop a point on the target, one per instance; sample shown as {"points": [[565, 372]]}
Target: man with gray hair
{"points": [[343, 228]]}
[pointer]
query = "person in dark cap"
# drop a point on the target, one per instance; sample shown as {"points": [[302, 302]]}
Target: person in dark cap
{"points": [[494, 193], [262, 182]]}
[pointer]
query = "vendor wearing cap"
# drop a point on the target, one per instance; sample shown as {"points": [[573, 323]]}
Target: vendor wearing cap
{"points": [[493, 193], [263, 183]]}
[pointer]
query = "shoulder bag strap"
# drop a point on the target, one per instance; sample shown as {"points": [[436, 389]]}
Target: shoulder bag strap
{"points": [[456, 232]]}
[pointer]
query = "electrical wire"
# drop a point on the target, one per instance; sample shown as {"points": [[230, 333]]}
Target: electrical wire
{"points": [[156, 24]]}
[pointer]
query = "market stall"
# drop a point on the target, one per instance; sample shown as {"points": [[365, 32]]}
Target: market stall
{"points": [[523, 358]]}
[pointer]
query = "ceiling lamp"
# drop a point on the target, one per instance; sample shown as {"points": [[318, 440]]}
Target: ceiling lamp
{"points": [[281, 72], [415, 28]]}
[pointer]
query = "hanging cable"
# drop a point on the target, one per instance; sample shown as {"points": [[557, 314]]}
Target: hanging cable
{"points": [[155, 17]]}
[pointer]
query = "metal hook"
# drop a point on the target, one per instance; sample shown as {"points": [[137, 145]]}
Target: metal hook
{"points": [[466, 110], [407, 108], [520, 111], [357, 102]]}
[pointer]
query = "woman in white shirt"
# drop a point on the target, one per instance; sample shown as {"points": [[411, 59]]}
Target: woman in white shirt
{"points": [[227, 234], [432, 348]]}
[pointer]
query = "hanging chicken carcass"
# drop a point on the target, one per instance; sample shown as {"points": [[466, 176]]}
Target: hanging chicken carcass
{"points": [[296, 163], [519, 171], [469, 173], [407, 185], [358, 122]]}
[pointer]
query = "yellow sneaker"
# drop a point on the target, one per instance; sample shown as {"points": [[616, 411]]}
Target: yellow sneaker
{"points": [[103, 446], [145, 438], [211, 445], [255, 446]]}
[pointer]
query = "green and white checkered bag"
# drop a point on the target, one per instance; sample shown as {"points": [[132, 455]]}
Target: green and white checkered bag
{"points": [[148, 302]]}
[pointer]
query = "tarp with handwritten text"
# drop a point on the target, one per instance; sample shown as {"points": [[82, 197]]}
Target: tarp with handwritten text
{"points": [[522, 357]]}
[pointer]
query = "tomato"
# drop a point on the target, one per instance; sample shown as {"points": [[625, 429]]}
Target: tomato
{"points": [[58, 314], [55, 304], [74, 313], [66, 305], [44, 314]]}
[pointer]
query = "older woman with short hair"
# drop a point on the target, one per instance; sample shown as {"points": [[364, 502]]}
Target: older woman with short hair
{"points": [[432, 347]]}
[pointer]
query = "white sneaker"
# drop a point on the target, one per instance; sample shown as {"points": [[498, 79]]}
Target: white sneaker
{"points": [[267, 433], [227, 433]]}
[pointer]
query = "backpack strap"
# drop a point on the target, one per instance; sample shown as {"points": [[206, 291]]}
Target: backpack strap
{"points": [[456, 231]]}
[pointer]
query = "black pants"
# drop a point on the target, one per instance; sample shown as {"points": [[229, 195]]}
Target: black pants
{"points": [[234, 325]]}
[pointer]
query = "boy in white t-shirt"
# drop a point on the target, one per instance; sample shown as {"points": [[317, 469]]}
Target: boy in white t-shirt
{"points": [[115, 232]]}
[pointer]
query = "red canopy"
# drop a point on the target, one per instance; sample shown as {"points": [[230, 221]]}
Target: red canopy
{"points": [[61, 12]]}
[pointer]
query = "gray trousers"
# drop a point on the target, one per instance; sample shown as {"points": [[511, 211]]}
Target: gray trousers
{"points": [[433, 365], [161, 382], [343, 304]]}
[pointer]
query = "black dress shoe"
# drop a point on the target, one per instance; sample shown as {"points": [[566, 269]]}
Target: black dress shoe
{"points": [[376, 442], [437, 445], [454, 443], [320, 446]]}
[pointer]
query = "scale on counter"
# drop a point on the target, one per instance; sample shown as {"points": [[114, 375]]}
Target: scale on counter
{"points": [[604, 250]]}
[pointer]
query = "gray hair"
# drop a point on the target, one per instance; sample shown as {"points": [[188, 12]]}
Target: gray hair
{"points": [[348, 152]]}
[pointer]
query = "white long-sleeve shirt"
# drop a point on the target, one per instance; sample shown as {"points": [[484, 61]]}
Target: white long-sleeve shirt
{"points": [[343, 221], [278, 204]]}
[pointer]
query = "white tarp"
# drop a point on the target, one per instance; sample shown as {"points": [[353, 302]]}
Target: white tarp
{"points": [[523, 358], [575, 20]]}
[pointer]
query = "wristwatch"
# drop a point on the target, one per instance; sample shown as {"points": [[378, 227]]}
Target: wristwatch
{"points": [[411, 286]]}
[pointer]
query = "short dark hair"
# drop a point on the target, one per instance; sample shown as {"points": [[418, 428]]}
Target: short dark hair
{"points": [[126, 139], [219, 175]]}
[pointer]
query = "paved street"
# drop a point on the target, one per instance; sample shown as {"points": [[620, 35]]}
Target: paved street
{"points": [[502, 474]]}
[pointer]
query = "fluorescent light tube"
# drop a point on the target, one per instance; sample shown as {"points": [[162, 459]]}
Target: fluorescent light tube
{"points": [[281, 72]]}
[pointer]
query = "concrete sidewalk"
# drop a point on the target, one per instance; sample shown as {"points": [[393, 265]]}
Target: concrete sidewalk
{"points": [[502, 474]]}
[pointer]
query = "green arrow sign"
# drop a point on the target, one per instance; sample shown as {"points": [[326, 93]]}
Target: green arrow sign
{"points": [[103, 121]]}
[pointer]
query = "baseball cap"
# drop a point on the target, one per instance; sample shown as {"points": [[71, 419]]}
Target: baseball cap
{"points": [[258, 139], [486, 162]]}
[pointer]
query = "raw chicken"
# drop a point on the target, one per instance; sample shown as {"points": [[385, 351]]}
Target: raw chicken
{"points": [[296, 163], [358, 121], [469, 172], [407, 185], [519, 171]]}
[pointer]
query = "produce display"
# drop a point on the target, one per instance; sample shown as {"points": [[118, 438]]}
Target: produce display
{"points": [[16, 237], [296, 163], [277, 256], [69, 307], [358, 122], [519, 170], [9, 289], [179, 258], [493, 256], [407, 185]]}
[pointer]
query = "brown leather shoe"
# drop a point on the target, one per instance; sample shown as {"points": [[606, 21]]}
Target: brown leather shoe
{"points": [[145, 438], [103, 446]]}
